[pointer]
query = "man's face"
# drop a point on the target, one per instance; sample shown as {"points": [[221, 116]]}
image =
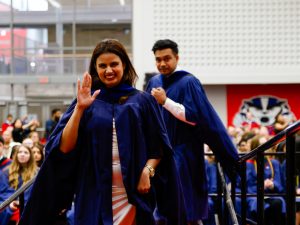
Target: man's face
{"points": [[57, 116], [166, 61]]}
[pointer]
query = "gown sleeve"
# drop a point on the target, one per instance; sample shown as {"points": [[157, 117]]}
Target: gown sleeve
{"points": [[54, 188], [209, 126]]}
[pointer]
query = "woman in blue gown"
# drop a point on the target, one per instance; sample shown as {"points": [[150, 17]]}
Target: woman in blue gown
{"points": [[111, 140], [274, 206]]}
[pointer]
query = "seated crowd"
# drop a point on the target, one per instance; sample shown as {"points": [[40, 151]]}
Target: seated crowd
{"points": [[246, 138], [21, 155]]}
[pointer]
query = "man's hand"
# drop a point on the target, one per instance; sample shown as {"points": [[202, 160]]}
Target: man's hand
{"points": [[159, 94]]}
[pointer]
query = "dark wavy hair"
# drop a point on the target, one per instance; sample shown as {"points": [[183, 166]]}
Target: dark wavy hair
{"points": [[115, 47]]}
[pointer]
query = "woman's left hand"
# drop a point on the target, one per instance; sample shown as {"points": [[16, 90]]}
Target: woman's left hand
{"points": [[144, 182]]}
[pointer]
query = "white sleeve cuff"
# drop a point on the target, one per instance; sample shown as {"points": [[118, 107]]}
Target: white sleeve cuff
{"points": [[177, 110]]}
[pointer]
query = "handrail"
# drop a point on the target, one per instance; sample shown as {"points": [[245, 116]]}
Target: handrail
{"points": [[16, 194], [281, 136], [227, 196]]}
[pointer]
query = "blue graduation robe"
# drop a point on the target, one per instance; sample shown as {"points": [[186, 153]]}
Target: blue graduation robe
{"points": [[269, 173], [4, 163], [187, 140], [5, 192], [87, 170]]}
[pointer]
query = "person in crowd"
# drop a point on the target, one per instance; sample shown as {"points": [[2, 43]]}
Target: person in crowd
{"points": [[14, 149], [22, 169], [191, 121], [244, 145], [233, 134], [28, 142], [281, 122], [8, 123], [21, 131], [18, 132], [38, 153], [110, 146], [29, 124], [35, 137], [8, 142], [274, 206], [4, 161], [250, 124], [52, 122]]}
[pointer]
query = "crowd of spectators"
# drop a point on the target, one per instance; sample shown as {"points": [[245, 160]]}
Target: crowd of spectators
{"points": [[21, 156]]}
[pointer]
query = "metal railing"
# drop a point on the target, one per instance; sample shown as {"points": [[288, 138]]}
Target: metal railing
{"points": [[17, 194], [287, 135]]}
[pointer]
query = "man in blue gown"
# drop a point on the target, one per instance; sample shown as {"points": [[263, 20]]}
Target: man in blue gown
{"points": [[191, 121]]}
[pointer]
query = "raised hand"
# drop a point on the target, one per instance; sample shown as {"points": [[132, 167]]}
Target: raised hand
{"points": [[84, 97]]}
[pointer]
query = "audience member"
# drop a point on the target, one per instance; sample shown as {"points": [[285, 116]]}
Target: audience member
{"points": [[4, 161], [274, 206], [28, 142], [38, 153], [8, 142], [8, 123], [22, 169], [51, 123], [35, 137]]}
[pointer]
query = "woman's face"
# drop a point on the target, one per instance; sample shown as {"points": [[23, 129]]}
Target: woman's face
{"points": [[110, 69], [18, 124], [36, 154], [23, 155], [35, 137]]}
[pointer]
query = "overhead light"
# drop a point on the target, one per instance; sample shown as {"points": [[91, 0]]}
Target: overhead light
{"points": [[32, 64], [2, 33], [122, 2], [55, 3]]}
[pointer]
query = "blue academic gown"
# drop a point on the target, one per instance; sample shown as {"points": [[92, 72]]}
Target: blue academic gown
{"points": [[252, 183], [187, 140], [4, 163], [5, 192], [87, 170]]}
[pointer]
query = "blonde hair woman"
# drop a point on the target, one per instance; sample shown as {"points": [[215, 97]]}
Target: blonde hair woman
{"points": [[22, 169]]}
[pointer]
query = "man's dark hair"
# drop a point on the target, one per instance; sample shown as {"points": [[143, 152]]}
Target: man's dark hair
{"points": [[165, 43], [1, 139], [54, 111]]}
